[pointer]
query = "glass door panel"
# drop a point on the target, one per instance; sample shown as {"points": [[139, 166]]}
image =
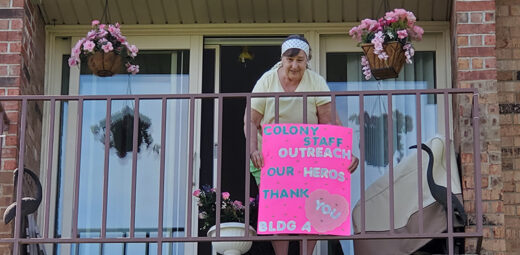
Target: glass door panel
{"points": [[161, 72], [344, 73]]}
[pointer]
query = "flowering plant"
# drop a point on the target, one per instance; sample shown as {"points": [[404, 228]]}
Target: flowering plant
{"points": [[397, 25], [104, 38], [231, 210]]}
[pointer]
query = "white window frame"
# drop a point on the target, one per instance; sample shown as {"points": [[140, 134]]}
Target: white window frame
{"points": [[61, 46]]}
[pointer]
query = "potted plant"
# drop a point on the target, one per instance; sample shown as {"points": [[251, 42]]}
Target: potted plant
{"points": [[104, 46], [232, 216], [386, 43]]}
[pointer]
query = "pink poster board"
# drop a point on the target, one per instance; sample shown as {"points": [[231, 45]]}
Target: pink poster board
{"points": [[305, 183]]}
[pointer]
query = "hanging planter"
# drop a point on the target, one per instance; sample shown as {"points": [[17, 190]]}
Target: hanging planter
{"points": [[105, 64], [122, 129], [104, 47], [385, 68], [387, 43]]}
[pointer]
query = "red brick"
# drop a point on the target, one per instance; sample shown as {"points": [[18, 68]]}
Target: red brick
{"points": [[11, 140], [16, 24], [490, 63], [10, 105], [477, 75], [462, 18], [476, 17], [475, 40], [463, 64], [13, 92], [489, 17], [14, 70], [18, 3], [3, 70], [515, 10], [10, 164], [489, 40], [4, 24], [475, 6], [462, 41], [10, 35], [503, 10], [476, 52], [477, 63], [508, 21], [3, 47], [10, 58], [15, 47], [476, 28]]}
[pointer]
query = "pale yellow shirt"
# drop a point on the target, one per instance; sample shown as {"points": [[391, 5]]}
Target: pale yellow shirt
{"points": [[291, 108]]}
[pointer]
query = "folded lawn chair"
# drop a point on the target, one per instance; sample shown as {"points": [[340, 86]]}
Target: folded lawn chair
{"points": [[406, 218]]}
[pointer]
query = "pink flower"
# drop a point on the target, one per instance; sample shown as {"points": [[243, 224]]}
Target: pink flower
{"points": [[408, 52], [402, 34], [225, 195], [251, 199], [73, 61], [196, 193], [133, 50], [102, 26], [95, 22], [132, 68], [237, 204], [91, 34], [418, 32], [101, 34], [203, 215], [89, 46], [107, 47], [410, 18], [366, 68]]}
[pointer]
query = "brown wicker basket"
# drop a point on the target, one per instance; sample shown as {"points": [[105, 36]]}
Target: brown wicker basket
{"points": [[385, 69], [105, 64]]}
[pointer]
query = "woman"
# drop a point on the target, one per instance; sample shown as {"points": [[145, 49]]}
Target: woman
{"points": [[289, 75]]}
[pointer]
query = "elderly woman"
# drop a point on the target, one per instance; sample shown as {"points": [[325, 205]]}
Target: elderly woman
{"points": [[289, 75]]}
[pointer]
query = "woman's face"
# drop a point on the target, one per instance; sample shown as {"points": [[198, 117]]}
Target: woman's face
{"points": [[294, 67]]}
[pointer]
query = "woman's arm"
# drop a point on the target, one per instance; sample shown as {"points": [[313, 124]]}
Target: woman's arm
{"points": [[324, 117], [255, 155]]}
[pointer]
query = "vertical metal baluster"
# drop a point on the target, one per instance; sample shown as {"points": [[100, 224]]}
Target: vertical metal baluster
{"points": [[333, 110], [134, 168], [219, 166], [419, 160], [447, 148], [390, 147], [190, 163], [19, 183], [49, 168], [161, 177], [478, 174], [77, 173], [305, 109], [247, 179], [108, 119], [362, 160], [276, 109]]}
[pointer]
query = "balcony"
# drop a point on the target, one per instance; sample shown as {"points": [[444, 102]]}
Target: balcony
{"points": [[175, 163]]}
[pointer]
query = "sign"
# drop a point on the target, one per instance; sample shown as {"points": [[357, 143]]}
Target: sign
{"points": [[305, 182]]}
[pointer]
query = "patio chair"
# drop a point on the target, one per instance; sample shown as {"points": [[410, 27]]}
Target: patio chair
{"points": [[406, 218]]}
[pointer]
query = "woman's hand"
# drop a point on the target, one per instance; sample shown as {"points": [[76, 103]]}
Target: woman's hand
{"points": [[257, 159], [353, 165]]}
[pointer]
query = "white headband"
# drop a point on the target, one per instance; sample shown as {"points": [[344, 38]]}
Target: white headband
{"points": [[295, 44]]}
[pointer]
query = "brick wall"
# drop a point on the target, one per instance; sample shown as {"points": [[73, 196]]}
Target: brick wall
{"points": [[22, 65], [475, 66], [508, 64]]}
